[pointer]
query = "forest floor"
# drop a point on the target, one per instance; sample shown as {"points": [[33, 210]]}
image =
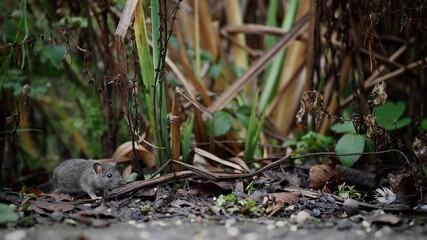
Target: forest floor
{"points": [[164, 213], [179, 228]]}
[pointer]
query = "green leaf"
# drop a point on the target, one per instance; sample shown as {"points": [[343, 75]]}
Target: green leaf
{"points": [[215, 71], [390, 110], [230, 197], [186, 138], [350, 143], [346, 127], [8, 214], [388, 115], [131, 178], [254, 129], [424, 124], [243, 116], [403, 123], [222, 122]]}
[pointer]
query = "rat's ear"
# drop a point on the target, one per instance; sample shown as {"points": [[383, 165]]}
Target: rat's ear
{"points": [[98, 168]]}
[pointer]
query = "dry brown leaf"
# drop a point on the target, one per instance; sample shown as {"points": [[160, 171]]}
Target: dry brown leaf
{"points": [[218, 160], [383, 218], [378, 94], [126, 151], [319, 175], [52, 207], [285, 197]]}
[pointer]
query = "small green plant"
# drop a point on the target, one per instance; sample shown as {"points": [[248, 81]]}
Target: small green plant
{"points": [[346, 191], [250, 187], [254, 129], [387, 116], [230, 204], [8, 215], [145, 209], [308, 143], [223, 199], [186, 138]]}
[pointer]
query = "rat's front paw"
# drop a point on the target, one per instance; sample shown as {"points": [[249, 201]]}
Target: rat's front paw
{"points": [[94, 197]]}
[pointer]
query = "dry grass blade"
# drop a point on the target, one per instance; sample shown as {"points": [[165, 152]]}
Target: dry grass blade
{"points": [[258, 66], [175, 124], [119, 36], [417, 64], [218, 160], [254, 29], [187, 85]]}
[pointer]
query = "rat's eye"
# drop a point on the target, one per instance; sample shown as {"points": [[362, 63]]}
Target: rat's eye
{"points": [[109, 175]]}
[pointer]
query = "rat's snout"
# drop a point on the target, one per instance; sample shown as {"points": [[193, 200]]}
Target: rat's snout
{"points": [[121, 182]]}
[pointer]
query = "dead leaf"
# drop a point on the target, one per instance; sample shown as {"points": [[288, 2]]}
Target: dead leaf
{"points": [[186, 192], [83, 218], [53, 207], [378, 94], [98, 212], [163, 201], [285, 197], [274, 207], [147, 193], [419, 147], [383, 218], [319, 175], [311, 103], [179, 203], [142, 154], [59, 197]]}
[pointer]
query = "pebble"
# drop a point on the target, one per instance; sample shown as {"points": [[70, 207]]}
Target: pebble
{"points": [[16, 235], [233, 232], [351, 207], [250, 236], [302, 217]]}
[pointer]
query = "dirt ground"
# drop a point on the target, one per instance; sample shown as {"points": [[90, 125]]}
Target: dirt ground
{"points": [[177, 229], [208, 211]]}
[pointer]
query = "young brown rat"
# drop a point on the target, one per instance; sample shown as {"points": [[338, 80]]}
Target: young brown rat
{"points": [[76, 176]]}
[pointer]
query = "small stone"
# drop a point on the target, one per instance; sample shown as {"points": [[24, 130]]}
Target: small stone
{"points": [[57, 216], [144, 235], [16, 235], [366, 224], [293, 228], [351, 207], [344, 224], [280, 224], [271, 226], [233, 232], [302, 217], [250, 236]]}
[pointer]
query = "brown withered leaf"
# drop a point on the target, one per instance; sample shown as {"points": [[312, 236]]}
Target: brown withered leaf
{"points": [[179, 203], [378, 94], [383, 218], [419, 146], [319, 175], [285, 197], [59, 197], [94, 222], [53, 207], [311, 103], [147, 193]]}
